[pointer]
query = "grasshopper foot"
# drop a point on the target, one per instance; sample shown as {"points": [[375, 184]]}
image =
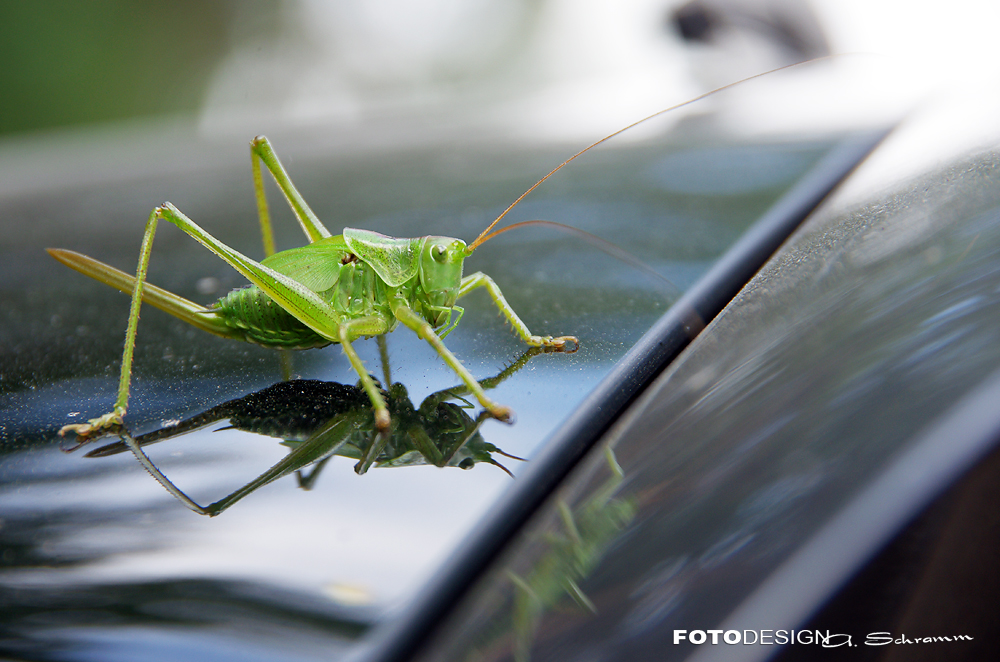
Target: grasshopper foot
{"points": [[382, 419], [558, 344], [105, 424], [502, 413]]}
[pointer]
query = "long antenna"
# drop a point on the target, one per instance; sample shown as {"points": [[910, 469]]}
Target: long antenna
{"points": [[602, 245], [485, 234]]}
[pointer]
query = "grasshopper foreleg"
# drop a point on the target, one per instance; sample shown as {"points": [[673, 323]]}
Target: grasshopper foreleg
{"points": [[479, 279]]}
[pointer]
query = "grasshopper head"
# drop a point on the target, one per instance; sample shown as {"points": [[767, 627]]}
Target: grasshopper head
{"points": [[440, 272]]}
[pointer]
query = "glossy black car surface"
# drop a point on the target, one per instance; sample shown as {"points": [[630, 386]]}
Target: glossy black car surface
{"points": [[736, 484]]}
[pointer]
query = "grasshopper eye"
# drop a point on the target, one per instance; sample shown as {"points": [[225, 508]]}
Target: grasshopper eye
{"points": [[438, 253]]}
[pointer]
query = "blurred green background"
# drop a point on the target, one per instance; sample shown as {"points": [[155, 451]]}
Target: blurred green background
{"points": [[67, 62]]}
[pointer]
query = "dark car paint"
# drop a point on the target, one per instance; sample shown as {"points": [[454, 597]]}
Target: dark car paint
{"points": [[846, 387]]}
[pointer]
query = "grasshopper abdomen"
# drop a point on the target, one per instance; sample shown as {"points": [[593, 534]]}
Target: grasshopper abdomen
{"points": [[261, 321]]}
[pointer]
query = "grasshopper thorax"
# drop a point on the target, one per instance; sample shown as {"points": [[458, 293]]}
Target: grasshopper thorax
{"points": [[440, 277]]}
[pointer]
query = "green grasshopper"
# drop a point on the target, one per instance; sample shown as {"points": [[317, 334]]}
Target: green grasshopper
{"points": [[336, 289]]}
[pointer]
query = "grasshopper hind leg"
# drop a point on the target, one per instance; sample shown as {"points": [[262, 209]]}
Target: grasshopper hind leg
{"points": [[113, 420]]}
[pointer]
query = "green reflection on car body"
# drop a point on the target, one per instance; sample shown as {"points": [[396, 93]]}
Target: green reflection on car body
{"points": [[567, 552]]}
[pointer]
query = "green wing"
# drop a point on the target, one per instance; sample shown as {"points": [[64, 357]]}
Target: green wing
{"points": [[315, 265], [392, 258]]}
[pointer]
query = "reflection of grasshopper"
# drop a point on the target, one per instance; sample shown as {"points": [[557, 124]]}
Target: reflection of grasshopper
{"points": [[320, 420], [570, 556]]}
